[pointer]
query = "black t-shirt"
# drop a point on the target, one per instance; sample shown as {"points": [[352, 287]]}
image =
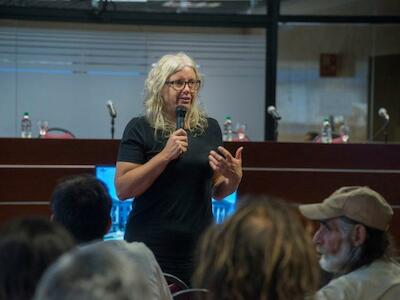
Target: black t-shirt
{"points": [[172, 213]]}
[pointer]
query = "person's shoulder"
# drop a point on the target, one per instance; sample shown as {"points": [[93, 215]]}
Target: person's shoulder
{"points": [[336, 289], [350, 285], [138, 248], [138, 120], [211, 122], [138, 123]]}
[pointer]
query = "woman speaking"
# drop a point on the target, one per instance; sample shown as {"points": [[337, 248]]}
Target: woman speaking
{"points": [[173, 172]]}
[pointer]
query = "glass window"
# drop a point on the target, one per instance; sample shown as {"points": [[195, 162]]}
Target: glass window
{"points": [[328, 71], [97, 7], [341, 7]]}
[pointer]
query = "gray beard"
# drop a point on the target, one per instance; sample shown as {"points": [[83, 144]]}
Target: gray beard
{"points": [[337, 263]]}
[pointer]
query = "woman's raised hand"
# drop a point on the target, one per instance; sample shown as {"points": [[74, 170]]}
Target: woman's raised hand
{"points": [[225, 164]]}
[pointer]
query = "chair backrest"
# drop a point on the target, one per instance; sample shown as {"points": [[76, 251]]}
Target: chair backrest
{"points": [[174, 283], [190, 294], [58, 133]]}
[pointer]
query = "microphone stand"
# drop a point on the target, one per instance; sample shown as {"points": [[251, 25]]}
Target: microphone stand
{"points": [[112, 127], [385, 131], [384, 128], [276, 123]]}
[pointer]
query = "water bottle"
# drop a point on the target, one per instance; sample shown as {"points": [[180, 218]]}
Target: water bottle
{"points": [[344, 132], [326, 132], [241, 131], [26, 126], [227, 135]]}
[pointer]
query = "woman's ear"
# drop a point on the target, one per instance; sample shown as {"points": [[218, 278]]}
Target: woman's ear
{"points": [[359, 235]]}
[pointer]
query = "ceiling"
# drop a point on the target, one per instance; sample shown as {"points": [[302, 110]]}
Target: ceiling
{"points": [[159, 6], [233, 13]]}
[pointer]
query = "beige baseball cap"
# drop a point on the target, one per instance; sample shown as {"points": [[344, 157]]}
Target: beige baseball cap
{"points": [[359, 203]]}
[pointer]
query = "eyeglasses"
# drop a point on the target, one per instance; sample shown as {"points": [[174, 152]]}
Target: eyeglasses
{"points": [[179, 85]]}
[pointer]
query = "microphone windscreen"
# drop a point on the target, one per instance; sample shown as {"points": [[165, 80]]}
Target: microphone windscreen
{"points": [[271, 109], [273, 112], [382, 112], [111, 109]]}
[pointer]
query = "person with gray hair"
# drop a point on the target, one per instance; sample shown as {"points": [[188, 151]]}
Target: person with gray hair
{"points": [[355, 246], [171, 160], [94, 272], [142, 256]]}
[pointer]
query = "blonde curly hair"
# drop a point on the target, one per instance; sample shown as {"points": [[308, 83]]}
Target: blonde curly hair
{"points": [[262, 252], [195, 120]]}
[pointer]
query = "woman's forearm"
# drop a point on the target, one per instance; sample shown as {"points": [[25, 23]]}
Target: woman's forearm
{"points": [[133, 180], [224, 187]]}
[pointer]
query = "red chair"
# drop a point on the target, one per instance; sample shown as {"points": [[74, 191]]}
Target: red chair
{"points": [[58, 133]]}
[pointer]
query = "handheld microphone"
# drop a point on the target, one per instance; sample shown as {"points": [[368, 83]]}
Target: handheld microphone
{"points": [[274, 113], [382, 112], [180, 116], [111, 109]]}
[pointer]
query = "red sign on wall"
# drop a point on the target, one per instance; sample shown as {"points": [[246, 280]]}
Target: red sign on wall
{"points": [[328, 65]]}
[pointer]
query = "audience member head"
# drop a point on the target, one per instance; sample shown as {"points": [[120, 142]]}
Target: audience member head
{"points": [[353, 228], [83, 205], [144, 259], [94, 272], [262, 252], [27, 247]]}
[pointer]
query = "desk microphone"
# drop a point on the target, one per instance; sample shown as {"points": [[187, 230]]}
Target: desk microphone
{"points": [[382, 112], [274, 113], [111, 109]]}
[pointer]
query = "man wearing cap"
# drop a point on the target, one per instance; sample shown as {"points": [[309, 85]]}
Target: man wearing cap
{"points": [[355, 246]]}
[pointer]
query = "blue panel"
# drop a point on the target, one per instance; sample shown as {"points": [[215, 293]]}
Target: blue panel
{"points": [[121, 209]]}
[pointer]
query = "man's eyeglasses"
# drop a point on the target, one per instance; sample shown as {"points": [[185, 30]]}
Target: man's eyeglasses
{"points": [[179, 85]]}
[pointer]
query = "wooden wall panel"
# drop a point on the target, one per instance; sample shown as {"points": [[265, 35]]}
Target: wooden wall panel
{"points": [[395, 226], [297, 172], [34, 183], [13, 211], [314, 155], [57, 151], [313, 186]]}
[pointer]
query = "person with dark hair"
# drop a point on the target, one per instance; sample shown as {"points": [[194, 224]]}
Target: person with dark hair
{"points": [[355, 246], [82, 205], [94, 272], [262, 252], [27, 247], [173, 163]]}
